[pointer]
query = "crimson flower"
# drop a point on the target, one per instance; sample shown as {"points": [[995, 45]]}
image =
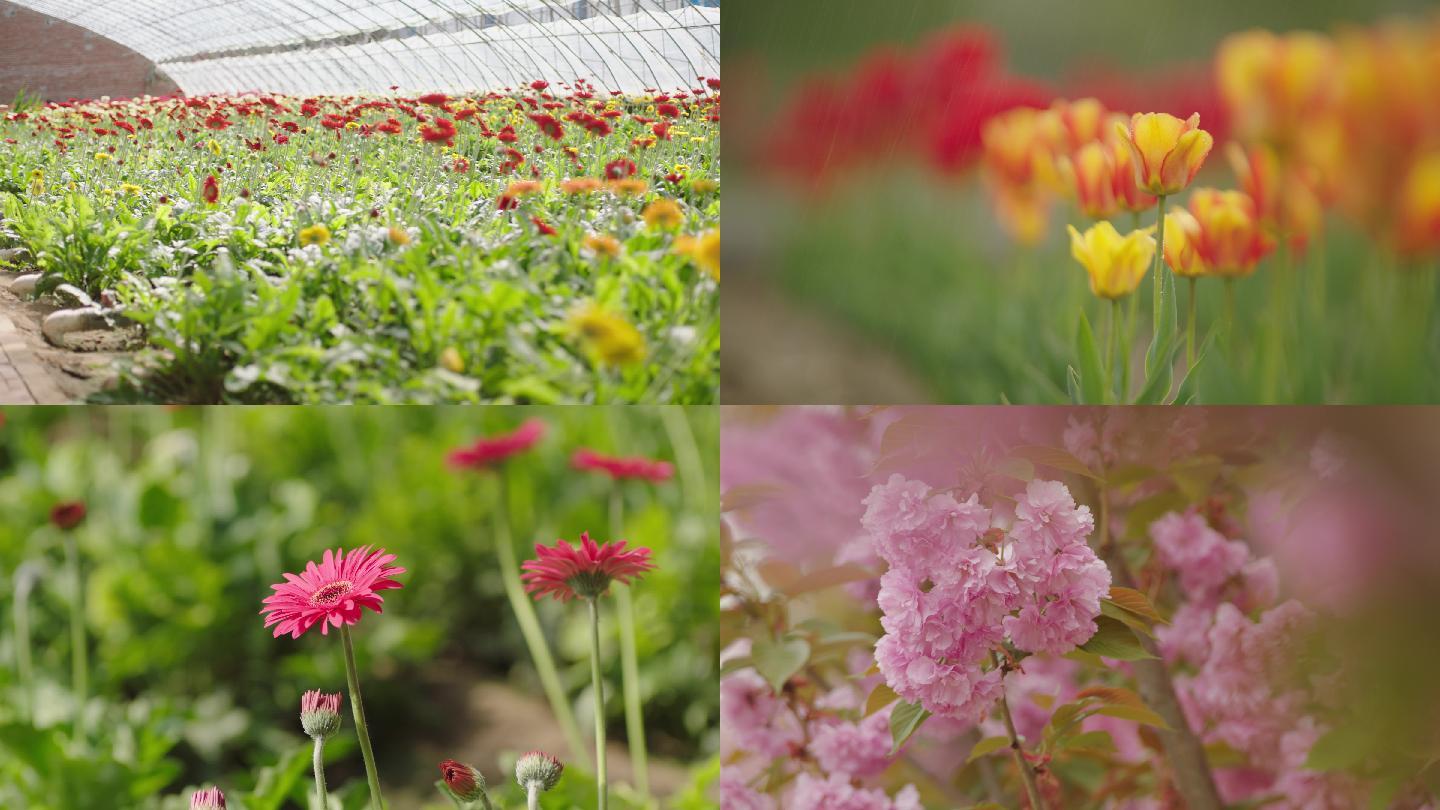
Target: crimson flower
{"points": [[489, 450], [211, 192], [549, 125], [620, 169], [621, 468], [331, 593], [464, 781], [433, 99], [565, 572], [67, 515]]}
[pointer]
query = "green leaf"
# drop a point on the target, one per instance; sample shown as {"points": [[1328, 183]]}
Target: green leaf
{"points": [[1157, 382], [1139, 714], [1089, 741], [1055, 458], [1092, 376], [1072, 386], [778, 659], [1187, 387], [880, 697], [987, 746], [1135, 602], [905, 718], [1341, 747], [1113, 639]]}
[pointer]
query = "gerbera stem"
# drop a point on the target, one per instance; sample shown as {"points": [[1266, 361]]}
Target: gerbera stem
{"points": [[532, 796], [629, 659], [79, 665], [530, 627], [319, 758], [601, 782], [362, 730]]}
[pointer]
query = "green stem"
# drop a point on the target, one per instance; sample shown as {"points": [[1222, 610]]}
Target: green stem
{"points": [[23, 664], [79, 664], [319, 763], [601, 782], [532, 796], [1190, 329], [629, 660], [530, 630], [1159, 258], [1110, 349], [1132, 309], [362, 730]]}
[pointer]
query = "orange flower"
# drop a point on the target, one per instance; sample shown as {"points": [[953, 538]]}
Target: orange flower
{"points": [[1091, 175], [1285, 202], [580, 185], [1273, 85], [1015, 146], [1418, 229], [1226, 235], [1127, 190], [521, 188], [1168, 151], [1069, 125]]}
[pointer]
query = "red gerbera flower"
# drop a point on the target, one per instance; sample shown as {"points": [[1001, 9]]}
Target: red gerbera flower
{"points": [[331, 593], [548, 124], [565, 572], [67, 515], [620, 169], [211, 192], [621, 468], [485, 452], [433, 99]]}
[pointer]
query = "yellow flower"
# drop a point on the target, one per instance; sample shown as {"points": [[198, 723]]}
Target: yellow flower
{"points": [[213, 146], [521, 188], [1182, 239], [1116, 263], [704, 185], [314, 235], [629, 186], [609, 338], [398, 235], [1419, 220], [1168, 151], [130, 189], [351, 126], [663, 213], [450, 360], [704, 250], [104, 157], [603, 244], [37, 183]]}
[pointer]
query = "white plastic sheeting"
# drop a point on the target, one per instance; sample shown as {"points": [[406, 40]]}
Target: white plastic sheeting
{"points": [[353, 46]]}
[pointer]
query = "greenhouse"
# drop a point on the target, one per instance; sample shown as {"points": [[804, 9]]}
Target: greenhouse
{"points": [[410, 201]]}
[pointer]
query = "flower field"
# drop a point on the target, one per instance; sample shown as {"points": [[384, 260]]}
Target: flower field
{"points": [[1077, 608], [1260, 223], [546, 244], [230, 607]]}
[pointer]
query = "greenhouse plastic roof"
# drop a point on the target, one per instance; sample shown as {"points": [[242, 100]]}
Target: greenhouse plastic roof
{"points": [[353, 46]]}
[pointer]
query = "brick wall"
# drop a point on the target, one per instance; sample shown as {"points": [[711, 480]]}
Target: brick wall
{"points": [[57, 60]]}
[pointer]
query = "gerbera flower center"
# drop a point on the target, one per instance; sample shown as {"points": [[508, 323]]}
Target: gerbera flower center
{"points": [[330, 594]]}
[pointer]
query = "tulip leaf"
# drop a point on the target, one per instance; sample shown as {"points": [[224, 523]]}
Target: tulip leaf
{"points": [[1092, 375], [1186, 389]]}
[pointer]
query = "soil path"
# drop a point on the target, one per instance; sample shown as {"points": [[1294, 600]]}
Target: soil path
{"points": [[33, 372]]}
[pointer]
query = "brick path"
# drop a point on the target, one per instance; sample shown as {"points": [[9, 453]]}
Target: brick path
{"points": [[22, 380]]}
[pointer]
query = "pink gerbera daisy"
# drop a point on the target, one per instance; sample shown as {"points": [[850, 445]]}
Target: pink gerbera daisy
{"points": [[487, 451], [208, 799], [332, 592], [566, 572], [621, 468]]}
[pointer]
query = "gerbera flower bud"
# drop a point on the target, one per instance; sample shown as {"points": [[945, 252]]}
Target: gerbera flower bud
{"points": [[539, 768], [320, 714], [566, 572], [466, 783], [67, 515], [208, 799]]}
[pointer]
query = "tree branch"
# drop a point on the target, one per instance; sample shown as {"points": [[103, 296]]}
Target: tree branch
{"points": [[1027, 774]]}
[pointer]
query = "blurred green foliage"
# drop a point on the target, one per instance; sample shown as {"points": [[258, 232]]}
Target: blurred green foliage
{"points": [[194, 513]]}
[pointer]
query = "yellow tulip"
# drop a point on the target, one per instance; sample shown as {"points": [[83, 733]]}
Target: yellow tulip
{"points": [[1168, 151], [1116, 263], [1182, 238]]}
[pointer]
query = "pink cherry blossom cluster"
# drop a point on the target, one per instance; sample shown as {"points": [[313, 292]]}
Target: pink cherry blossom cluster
{"points": [[1241, 688], [957, 588], [759, 728]]}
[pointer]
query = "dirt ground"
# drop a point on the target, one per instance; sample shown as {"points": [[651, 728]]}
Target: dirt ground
{"points": [[77, 373], [504, 719], [773, 351]]}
